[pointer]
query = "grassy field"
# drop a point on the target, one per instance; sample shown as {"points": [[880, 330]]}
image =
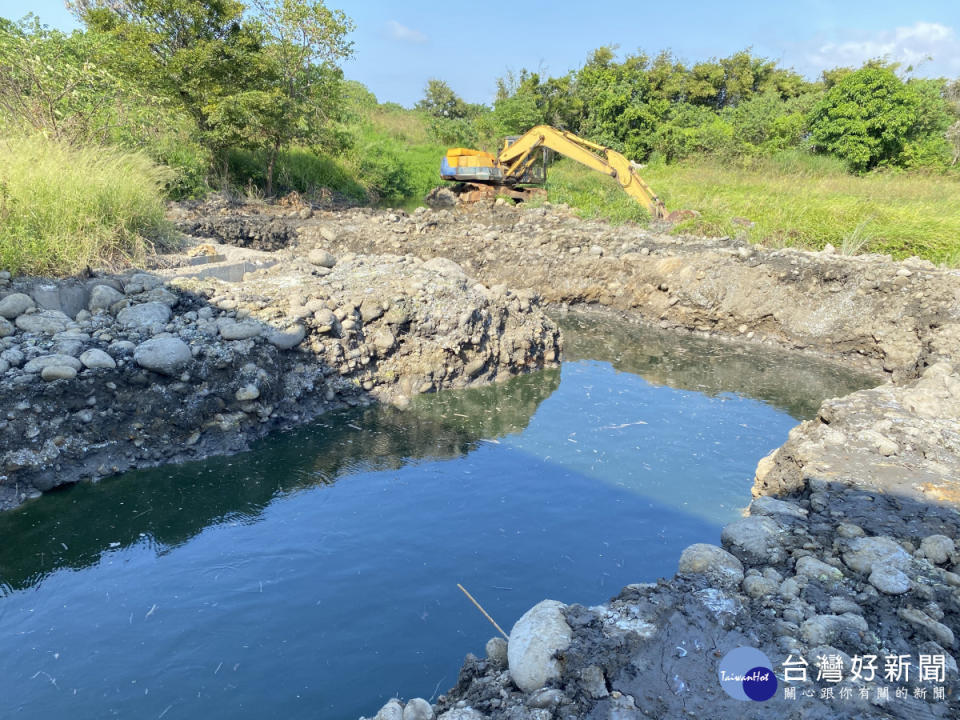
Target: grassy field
{"points": [[63, 208], [792, 201]]}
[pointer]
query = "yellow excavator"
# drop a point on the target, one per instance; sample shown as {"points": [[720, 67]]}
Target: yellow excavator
{"points": [[522, 162]]}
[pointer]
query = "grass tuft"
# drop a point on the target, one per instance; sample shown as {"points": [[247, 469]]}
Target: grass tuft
{"points": [[63, 208]]}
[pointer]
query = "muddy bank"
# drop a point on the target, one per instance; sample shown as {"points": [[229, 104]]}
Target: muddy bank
{"points": [[894, 317], [115, 372]]}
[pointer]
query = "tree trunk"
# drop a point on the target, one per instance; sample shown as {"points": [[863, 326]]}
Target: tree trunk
{"points": [[270, 165]]}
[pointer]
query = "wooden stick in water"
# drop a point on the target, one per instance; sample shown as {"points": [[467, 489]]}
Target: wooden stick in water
{"points": [[485, 614]]}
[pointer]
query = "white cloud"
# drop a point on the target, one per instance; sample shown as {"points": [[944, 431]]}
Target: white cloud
{"points": [[931, 48], [405, 34]]}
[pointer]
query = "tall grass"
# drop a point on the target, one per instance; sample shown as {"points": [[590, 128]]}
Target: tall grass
{"points": [[64, 208], [795, 199]]}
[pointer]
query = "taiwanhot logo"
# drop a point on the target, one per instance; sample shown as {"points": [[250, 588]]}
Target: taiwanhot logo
{"points": [[747, 674]]}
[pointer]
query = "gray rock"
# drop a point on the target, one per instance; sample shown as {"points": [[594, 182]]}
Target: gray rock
{"points": [[756, 539], [58, 372], [766, 505], [789, 589], [247, 393], [66, 297], [593, 682], [102, 297], [840, 605], [445, 266], [937, 548], [384, 340], [13, 356], [15, 305], [97, 359], [825, 629], [321, 258], [141, 282], [393, 710], [370, 310], [326, 320], [6, 328], [757, 586], [287, 339], [68, 347], [547, 698], [164, 355], [497, 651], [145, 316], [467, 713], [47, 322], [889, 580], [866, 552], [812, 568], [230, 329], [39, 363], [121, 347], [162, 295], [937, 631], [535, 639], [417, 709], [719, 566], [4, 366]]}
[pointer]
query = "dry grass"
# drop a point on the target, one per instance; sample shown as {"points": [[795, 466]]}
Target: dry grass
{"points": [[64, 208]]}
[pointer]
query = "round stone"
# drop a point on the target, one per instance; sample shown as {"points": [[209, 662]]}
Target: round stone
{"points": [[14, 305], [164, 355], [96, 359], [58, 372], [535, 640], [720, 567]]}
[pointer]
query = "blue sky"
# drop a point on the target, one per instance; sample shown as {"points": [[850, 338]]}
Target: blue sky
{"points": [[400, 45]]}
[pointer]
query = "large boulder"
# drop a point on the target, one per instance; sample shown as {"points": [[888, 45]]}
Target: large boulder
{"points": [[321, 258], [47, 322], [102, 297], [716, 564], [865, 553], [535, 640], [164, 355], [287, 339], [39, 363], [15, 305], [231, 329], [145, 316], [755, 539], [418, 709], [97, 359]]}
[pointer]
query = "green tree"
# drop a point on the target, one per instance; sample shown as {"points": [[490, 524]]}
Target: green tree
{"points": [[870, 116], [439, 100], [296, 89], [258, 77], [51, 83]]}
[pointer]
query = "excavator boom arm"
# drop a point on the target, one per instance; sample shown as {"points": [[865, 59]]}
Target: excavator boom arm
{"points": [[609, 162]]}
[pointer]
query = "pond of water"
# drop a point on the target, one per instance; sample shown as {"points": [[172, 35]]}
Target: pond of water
{"points": [[316, 575]]}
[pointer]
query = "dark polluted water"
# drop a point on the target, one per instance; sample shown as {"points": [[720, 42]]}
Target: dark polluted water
{"points": [[316, 576]]}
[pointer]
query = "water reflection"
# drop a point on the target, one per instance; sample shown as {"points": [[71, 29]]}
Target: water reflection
{"points": [[792, 382], [169, 505]]}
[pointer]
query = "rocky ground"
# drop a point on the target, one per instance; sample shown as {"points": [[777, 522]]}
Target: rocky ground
{"points": [[848, 548], [111, 372]]}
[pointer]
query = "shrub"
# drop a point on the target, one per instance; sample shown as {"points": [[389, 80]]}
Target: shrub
{"points": [[63, 208]]}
